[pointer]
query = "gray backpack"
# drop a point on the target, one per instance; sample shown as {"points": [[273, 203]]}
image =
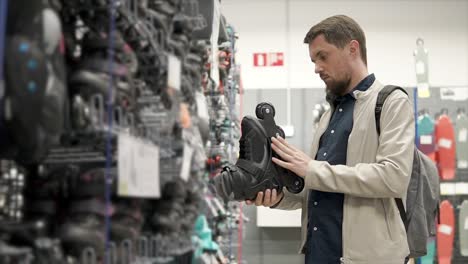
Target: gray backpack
{"points": [[422, 200]]}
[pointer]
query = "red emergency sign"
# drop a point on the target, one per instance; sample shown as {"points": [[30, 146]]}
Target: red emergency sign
{"points": [[268, 59]]}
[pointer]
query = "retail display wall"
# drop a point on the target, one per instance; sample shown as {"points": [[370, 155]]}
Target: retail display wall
{"points": [[115, 115]]}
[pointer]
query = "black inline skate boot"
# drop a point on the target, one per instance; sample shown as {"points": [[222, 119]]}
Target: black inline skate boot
{"points": [[255, 170]]}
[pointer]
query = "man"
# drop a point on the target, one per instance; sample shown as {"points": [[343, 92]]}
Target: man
{"points": [[349, 214]]}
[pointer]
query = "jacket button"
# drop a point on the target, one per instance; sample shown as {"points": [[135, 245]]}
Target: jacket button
{"points": [[342, 260]]}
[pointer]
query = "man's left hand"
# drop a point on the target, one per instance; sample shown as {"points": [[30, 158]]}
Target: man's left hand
{"points": [[291, 158]]}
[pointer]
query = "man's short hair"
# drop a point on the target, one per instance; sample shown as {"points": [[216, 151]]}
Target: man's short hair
{"points": [[339, 30]]}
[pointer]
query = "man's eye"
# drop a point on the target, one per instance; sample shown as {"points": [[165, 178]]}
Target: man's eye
{"points": [[323, 58]]}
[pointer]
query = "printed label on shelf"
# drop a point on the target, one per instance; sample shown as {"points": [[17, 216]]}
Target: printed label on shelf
{"points": [[461, 188], [466, 224], [462, 164], [447, 188], [138, 166], [187, 161], [454, 93], [445, 143], [174, 70], [426, 140], [462, 135], [445, 229]]}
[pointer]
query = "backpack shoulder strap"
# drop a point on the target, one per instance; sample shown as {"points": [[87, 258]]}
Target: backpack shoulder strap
{"points": [[383, 94]]}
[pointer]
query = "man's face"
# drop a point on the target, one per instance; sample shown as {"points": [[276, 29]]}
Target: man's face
{"points": [[332, 64]]}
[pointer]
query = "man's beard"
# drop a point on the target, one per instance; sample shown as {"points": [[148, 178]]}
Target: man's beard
{"points": [[338, 88], [335, 89]]}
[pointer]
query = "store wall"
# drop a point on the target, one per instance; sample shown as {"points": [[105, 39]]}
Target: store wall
{"points": [[392, 28]]}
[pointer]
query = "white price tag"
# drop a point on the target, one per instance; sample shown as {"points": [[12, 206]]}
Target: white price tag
{"points": [[445, 143], [426, 140], [138, 165], [462, 164], [445, 229], [466, 224], [462, 135], [185, 171], [174, 72], [447, 188], [202, 106], [461, 188], [214, 59]]}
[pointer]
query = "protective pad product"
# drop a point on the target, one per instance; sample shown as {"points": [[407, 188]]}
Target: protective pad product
{"points": [[426, 136], [254, 170], [463, 228], [34, 77], [461, 137], [203, 235], [445, 136], [445, 233]]}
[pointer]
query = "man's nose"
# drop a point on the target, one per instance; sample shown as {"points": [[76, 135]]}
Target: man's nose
{"points": [[318, 68]]}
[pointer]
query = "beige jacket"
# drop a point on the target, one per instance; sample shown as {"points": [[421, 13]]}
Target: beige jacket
{"points": [[377, 171]]}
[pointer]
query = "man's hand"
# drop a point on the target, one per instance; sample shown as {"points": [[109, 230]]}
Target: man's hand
{"points": [[291, 158], [268, 199]]}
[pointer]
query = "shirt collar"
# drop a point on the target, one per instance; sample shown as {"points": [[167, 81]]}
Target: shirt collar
{"points": [[362, 86]]}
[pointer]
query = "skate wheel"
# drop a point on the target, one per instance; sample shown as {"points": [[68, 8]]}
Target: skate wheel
{"points": [[297, 186], [281, 132], [264, 109]]}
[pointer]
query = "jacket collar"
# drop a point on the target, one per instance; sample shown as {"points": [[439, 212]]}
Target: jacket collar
{"points": [[364, 94]]}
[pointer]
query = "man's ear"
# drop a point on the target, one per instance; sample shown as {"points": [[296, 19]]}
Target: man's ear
{"points": [[354, 48]]}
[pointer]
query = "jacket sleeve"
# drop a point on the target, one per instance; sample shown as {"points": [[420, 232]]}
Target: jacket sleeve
{"points": [[389, 176], [290, 201]]}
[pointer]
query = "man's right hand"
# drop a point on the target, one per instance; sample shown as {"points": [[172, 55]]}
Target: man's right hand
{"points": [[267, 198]]}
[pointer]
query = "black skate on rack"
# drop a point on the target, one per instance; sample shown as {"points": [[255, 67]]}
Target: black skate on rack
{"points": [[254, 170]]}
